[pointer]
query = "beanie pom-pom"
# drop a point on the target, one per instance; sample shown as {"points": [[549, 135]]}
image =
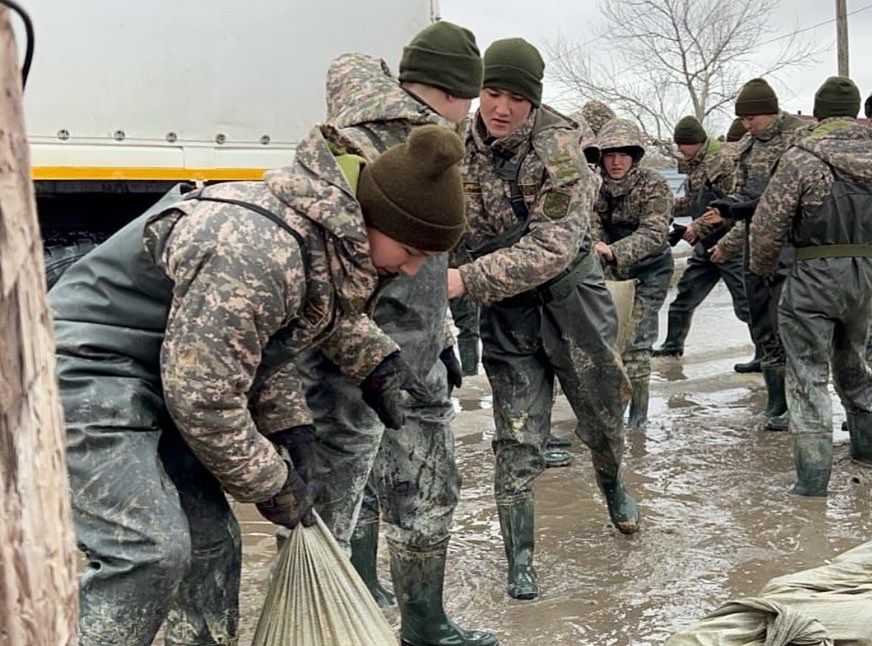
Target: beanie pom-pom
{"points": [[436, 148]]}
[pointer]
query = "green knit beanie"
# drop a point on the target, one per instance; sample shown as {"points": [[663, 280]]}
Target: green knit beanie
{"points": [[413, 191], [837, 97], [756, 97], [445, 56], [689, 131], [736, 131], [515, 65]]}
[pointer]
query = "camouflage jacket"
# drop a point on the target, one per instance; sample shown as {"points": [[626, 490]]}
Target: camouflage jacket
{"points": [[237, 284], [370, 108], [802, 181], [711, 167], [640, 203], [558, 189], [756, 156]]}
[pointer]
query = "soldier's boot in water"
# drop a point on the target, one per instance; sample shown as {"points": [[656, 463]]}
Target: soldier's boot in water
{"points": [[813, 459], [638, 405], [419, 575], [364, 558], [775, 415], [676, 333], [468, 349], [516, 526], [556, 458], [623, 509], [754, 365], [860, 430]]}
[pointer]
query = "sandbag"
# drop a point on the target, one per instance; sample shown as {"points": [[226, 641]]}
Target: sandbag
{"points": [[316, 597], [623, 294]]}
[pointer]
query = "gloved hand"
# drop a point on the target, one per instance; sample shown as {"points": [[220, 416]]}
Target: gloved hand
{"points": [[676, 234], [743, 210], [453, 367], [723, 206], [291, 504], [382, 389], [300, 443]]}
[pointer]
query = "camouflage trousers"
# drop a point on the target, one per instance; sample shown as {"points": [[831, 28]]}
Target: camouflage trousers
{"points": [[160, 541], [699, 279], [825, 314], [653, 275], [525, 345], [764, 292], [410, 473]]}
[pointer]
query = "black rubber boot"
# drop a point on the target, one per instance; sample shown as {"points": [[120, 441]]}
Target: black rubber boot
{"points": [[554, 442], [468, 349], [753, 365], [516, 526], [775, 415], [418, 575], [676, 333], [364, 552], [556, 458], [638, 405], [860, 430], [623, 509], [813, 459]]}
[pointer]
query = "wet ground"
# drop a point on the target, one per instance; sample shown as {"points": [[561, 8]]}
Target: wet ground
{"points": [[718, 522]]}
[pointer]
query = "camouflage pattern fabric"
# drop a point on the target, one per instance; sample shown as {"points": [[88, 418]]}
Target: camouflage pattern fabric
{"points": [[710, 167], [826, 304], [597, 114]]}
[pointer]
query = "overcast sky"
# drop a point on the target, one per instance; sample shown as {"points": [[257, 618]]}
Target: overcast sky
{"points": [[540, 21]]}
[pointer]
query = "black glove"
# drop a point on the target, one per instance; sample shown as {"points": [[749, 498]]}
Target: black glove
{"points": [[452, 365], [291, 504], [743, 210], [723, 206], [382, 389], [677, 233], [299, 441]]}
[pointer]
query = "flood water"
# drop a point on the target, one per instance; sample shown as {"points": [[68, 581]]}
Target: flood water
{"points": [[718, 522]]}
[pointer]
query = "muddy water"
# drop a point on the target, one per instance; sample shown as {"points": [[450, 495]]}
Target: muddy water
{"points": [[717, 520]]}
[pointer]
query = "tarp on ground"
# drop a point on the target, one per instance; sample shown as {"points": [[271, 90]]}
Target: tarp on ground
{"points": [[829, 605]]}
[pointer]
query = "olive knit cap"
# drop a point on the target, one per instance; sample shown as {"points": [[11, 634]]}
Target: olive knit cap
{"points": [[689, 131], [736, 131], [756, 97], [837, 97], [413, 191], [445, 56], [515, 65]]}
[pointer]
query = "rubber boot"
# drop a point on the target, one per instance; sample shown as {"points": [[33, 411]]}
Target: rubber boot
{"points": [[754, 365], [468, 349], [554, 442], [623, 509], [364, 552], [860, 430], [516, 526], [556, 458], [638, 405], [419, 575], [813, 459], [676, 333], [775, 415]]}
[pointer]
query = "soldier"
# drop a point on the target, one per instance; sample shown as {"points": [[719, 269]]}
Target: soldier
{"points": [[176, 341], [820, 197], [771, 133], [414, 479], [629, 231], [709, 176], [545, 307], [735, 133], [596, 114]]}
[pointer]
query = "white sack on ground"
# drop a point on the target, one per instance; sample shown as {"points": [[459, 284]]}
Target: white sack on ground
{"points": [[623, 294], [316, 597], [826, 606]]}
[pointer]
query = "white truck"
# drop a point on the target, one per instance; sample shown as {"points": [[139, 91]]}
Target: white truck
{"points": [[126, 99]]}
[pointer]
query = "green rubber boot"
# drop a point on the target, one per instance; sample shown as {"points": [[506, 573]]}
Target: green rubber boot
{"points": [[364, 551], [418, 575], [555, 458], [860, 430], [516, 526], [623, 509], [813, 459], [676, 333], [638, 405], [776, 400], [468, 349]]}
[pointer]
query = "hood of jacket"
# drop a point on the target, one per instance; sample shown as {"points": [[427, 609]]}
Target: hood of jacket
{"points": [[844, 144]]}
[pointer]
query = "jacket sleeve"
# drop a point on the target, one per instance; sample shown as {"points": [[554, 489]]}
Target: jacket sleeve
{"points": [[358, 345], [732, 244], [230, 296], [655, 205], [773, 216], [279, 403]]}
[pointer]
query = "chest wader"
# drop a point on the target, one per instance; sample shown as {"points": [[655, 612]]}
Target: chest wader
{"points": [[653, 275], [825, 315], [565, 327], [160, 539]]}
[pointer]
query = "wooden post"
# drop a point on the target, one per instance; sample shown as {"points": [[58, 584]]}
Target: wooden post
{"points": [[38, 594], [842, 36]]}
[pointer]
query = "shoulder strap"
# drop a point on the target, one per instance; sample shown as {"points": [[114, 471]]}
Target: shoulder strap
{"points": [[509, 170]]}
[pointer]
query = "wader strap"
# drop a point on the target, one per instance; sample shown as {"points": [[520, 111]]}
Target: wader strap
{"points": [[510, 170], [558, 287], [834, 251]]}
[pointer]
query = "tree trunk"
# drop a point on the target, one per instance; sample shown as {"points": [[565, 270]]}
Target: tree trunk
{"points": [[38, 595]]}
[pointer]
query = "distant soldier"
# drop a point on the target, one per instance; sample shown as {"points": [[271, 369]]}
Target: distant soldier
{"points": [[771, 133], [597, 113], [545, 308], [820, 198], [735, 132], [709, 176], [629, 230]]}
